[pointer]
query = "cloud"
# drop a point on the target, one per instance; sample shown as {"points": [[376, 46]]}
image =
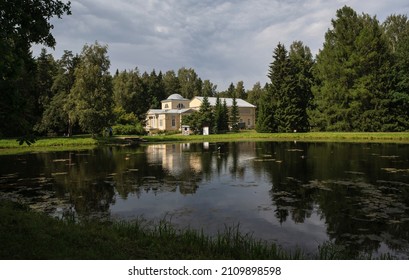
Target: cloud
{"points": [[224, 41]]}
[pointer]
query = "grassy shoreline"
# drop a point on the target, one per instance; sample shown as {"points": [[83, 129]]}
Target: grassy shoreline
{"points": [[381, 137], [85, 141], [25, 234]]}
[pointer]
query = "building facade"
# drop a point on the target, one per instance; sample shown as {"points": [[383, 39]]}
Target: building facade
{"points": [[169, 117]]}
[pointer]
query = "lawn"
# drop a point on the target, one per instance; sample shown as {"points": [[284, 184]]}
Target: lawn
{"points": [[10, 146]]}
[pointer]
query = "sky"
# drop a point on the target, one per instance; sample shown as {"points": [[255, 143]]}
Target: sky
{"points": [[223, 41]]}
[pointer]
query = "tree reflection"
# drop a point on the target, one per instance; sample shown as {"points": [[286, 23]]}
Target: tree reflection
{"points": [[360, 191]]}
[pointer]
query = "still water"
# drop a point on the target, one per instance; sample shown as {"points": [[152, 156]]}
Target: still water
{"points": [[298, 195]]}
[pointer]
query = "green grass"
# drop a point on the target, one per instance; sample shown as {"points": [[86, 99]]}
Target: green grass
{"points": [[399, 137], [11, 146], [25, 234], [50, 142]]}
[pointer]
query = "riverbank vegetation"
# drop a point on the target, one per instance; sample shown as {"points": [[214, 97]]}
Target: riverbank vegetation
{"points": [[25, 234]]}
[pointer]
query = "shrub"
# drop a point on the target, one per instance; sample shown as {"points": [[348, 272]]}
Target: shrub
{"points": [[128, 129]]}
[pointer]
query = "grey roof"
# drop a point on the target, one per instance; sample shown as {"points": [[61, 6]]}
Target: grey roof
{"points": [[175, 96], [229, 102], [171, 111]]}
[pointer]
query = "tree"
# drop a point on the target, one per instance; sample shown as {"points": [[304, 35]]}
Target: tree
{"points": [[397, 32], [234, 115], [92, 90], [22, 23], [129, 94], [240, 91], [224, 125], [171, 83], [206, 113], [282, 108], [353, 72], [255, 94], [220, 120], [209, 89], [154, 88], [264, 121], [302, 80], [190, 85], [55, 119], [46, 71]]}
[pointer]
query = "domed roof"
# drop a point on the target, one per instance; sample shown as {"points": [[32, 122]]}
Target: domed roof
{"points": [[176, 96]]}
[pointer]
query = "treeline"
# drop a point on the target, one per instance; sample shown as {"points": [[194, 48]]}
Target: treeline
{"points": [[359, 81]]}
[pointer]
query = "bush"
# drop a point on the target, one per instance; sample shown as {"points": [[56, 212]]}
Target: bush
{"points": [[128, 129]]}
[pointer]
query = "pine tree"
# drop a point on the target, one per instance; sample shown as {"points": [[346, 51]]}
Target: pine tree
{"points": [[206, 114], [280, 91], [224, 122], [234, 115], [218, 110], [353, 71], [264, 122], [301, 63], [240, 91]]}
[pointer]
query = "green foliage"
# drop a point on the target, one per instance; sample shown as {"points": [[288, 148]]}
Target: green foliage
{"points": [[255, 94], [240, 91], [397, 32], [280, 91], [193, 120], [206, 113], [264, 122], [301, 63], [171, 83], [221, 118], [199, 119], [129, 93], [234, 115], [354, 72], [22, 23], [209, 89], [92, 90], [190, 83], [128, 129]]}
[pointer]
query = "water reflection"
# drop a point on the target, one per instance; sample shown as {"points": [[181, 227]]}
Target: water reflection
{"points": [[297, 194]]}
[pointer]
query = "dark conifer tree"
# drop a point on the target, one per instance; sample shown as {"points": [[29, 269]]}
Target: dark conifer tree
{"points": [[234, 115]]}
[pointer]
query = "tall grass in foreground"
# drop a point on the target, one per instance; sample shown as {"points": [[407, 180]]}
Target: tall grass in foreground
{"points": [[25, 234]]}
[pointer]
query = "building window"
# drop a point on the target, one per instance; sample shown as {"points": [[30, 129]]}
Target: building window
{"points": [[160, 123], [173, 121], [166, 106], [180, 106], [248, 122]]}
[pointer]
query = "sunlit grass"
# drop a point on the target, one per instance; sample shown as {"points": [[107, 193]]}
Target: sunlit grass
{"points": [[8, 146], [309, 136]]}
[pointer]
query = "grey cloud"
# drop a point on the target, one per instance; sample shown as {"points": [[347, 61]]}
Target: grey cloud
{"points": [[224, 41]]}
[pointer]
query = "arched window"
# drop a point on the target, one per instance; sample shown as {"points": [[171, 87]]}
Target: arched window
{"points": [[166, 106], [180, 106]]}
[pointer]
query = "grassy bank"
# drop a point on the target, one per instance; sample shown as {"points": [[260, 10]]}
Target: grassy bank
{"points": [[84, 141], [75, 141], [398, 137]]}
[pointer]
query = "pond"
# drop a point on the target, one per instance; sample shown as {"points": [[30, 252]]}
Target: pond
{"points": [[298, 195]]}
